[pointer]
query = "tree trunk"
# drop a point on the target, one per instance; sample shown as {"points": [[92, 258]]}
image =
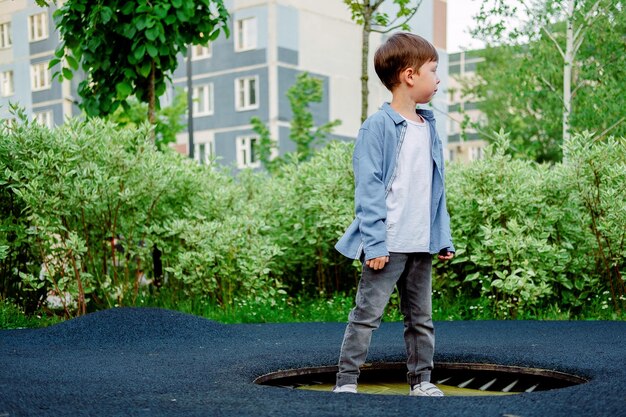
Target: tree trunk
{"points": [[152, 101], [567, 71], [365, 51], [190, 143]]}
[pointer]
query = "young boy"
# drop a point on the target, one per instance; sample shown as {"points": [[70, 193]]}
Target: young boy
{"points": [[401, 215]]}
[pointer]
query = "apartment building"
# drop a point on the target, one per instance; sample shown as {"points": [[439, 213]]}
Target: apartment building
{"points": [[27, 42], [272, 41], [464, 143], [233, 79]]}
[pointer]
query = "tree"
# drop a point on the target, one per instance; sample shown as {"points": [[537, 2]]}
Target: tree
{"points": [[552, 68], [168, 120], [369, 16], [304, 134], [129, 48]]}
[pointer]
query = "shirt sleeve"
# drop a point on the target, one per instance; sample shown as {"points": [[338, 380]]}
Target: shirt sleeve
{"points": [[370, 205]]}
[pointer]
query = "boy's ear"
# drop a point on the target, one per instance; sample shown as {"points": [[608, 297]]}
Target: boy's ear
{"points": [[408, 76]]}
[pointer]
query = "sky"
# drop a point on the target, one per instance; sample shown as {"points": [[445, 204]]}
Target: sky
{"points": [[460, 19]]}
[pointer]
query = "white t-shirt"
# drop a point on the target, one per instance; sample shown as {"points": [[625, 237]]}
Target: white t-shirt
{"points": [[409, 199]]}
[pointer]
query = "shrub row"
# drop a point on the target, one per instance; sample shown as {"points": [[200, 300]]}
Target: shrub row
{"points": [[91, 213], [531, 235]]}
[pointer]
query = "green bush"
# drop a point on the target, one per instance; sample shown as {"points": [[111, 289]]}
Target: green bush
{"points": [[598, 176], [90, 213], [308, 207], [521, 229], [79, 190]]}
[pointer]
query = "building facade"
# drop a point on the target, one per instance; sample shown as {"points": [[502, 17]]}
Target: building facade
{"points": [[464, 143], [28, 39], [272, 41], [233, 79]]}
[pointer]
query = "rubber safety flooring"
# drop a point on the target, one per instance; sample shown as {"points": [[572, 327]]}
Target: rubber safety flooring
{"points": [[154, 362]]}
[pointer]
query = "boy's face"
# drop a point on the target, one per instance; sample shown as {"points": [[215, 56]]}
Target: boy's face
{"points": [[425, 82]]}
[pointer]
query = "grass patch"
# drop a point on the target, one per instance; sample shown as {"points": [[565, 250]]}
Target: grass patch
{"points": [[323, 309], [13, 317], [279, 310]]}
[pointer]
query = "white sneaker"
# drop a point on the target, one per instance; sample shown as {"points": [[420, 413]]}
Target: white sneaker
{"points": [[350, 388], [425, 389]]}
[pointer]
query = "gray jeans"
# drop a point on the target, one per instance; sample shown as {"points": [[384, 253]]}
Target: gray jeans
{"points": [[412, 273]]}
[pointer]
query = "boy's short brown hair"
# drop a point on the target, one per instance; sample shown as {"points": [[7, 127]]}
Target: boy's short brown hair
{"points": [[401, 51]]}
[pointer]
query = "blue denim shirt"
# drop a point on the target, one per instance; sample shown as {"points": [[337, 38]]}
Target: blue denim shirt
{"points": [[374, 162]]}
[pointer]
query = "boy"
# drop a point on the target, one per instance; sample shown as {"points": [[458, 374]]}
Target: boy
{"points": [[401, 216]]}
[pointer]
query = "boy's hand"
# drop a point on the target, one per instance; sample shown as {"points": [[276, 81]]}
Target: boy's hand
{"points": [[377, 263], [445, 255]]}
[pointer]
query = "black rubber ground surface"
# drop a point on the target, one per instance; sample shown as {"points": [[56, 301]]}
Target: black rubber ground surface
{"points": [[151, 362]]}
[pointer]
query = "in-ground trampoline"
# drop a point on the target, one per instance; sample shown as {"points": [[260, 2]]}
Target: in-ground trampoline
{"points": [[454, 379], [154, 362]]}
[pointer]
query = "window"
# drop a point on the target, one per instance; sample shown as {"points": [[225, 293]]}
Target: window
{"points": [[245, 34], [39, 76], [7, 87], [38, 27], [5, 35], [203, 100], [247, 152], [453, 127], [44, 118], [476, 153], [204, 152], [246, 93], [201, 52]]}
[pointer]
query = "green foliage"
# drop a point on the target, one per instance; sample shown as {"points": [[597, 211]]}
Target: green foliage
{"points": [[281, 309], [13, 317], [531, 113], [599, 178], [371, 16], [266, 146], [521, 85], [304, 134], [368, 14], [521, 230], [86, 208], [80, 189], [16, 252], [308, 205], [169, 120], [130, 48], [321, 309], [223, 259], [600, 96]]}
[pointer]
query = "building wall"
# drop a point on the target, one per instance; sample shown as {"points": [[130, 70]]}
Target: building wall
{"points": [[293, 36], [290, 41], [464, 143], [330, 46], [23, 53]]}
